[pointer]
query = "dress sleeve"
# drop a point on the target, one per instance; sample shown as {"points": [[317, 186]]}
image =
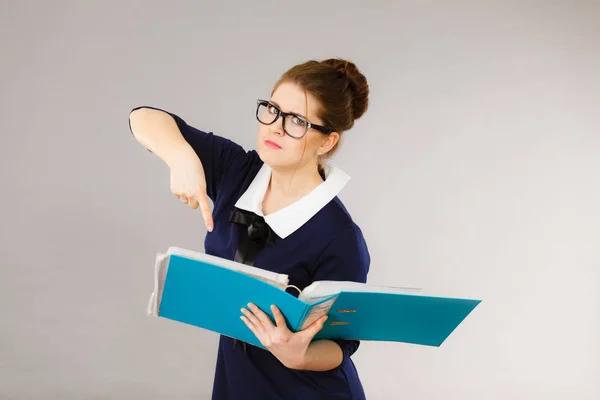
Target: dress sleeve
{"points": [[218, 155], [346, 258]]}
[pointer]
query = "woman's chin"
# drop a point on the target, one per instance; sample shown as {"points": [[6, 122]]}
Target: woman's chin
{"points": [[270, 158]]}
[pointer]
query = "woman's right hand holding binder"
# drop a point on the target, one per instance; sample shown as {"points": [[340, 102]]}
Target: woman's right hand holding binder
{"points": [[188, 184]]}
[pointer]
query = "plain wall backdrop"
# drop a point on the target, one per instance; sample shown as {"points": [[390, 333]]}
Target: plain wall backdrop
{"points": [[475, 172]]}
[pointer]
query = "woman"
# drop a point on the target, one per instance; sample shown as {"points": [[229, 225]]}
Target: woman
{"points": [[277, 208]]}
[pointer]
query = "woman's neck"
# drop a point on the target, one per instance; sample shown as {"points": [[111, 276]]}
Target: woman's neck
{"points": [[289, 186]]}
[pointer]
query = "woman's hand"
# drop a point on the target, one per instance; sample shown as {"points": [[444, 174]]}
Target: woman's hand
{"points": [[290, 348], [188, 184], [157, 131]]}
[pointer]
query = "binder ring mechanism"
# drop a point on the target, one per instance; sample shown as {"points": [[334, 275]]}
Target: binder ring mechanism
{"points": [[342, 310]]}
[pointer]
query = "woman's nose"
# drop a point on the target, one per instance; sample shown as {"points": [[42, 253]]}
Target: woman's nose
{"points": [[277, 127]]}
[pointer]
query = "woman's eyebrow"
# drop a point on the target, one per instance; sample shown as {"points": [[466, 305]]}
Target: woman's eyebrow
{"points": [[292, 112]]}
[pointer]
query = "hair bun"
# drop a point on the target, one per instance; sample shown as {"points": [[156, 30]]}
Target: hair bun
{"points": [[357, 83]]}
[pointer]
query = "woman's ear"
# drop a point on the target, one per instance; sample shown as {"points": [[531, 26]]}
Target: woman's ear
{"points": [[329, 143]]}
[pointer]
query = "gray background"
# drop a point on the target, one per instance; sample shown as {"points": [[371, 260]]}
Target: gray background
{"points": [[476, 172]]}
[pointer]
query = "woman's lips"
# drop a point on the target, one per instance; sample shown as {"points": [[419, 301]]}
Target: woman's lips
{"points": [[272, 145]]}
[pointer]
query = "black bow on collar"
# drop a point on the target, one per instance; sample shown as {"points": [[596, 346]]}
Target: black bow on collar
{"points": [[258, 234]]}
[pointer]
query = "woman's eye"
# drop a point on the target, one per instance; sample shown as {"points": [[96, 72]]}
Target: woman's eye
{"points": [[272, 110], [298, 121]]}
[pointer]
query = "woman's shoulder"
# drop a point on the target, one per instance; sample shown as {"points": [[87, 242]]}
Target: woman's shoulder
{"points": [[334, 222], [343, 253]]}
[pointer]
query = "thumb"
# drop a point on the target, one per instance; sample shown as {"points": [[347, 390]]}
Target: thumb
{"points": [[315, 327]]}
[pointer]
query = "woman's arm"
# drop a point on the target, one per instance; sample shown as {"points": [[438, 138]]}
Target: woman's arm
{"points": [[346, 258], [322, 355], [158, 132], [181, 145]]}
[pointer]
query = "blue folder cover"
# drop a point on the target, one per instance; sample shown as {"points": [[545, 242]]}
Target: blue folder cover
{"points": [[209, 296]]}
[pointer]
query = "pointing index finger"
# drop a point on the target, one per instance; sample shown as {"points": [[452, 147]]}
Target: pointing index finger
{"points": [[206, 212]]}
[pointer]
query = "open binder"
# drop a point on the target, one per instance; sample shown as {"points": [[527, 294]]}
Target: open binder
{"points": [[208, 292]]}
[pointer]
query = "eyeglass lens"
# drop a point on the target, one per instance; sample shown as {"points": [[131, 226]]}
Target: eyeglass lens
{"points": [[293, 125]]}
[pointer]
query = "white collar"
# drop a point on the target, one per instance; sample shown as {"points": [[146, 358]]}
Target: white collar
{"points": [[287, 220]]}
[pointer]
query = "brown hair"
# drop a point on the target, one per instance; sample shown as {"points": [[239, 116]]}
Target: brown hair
{"points": [[339, 87]]}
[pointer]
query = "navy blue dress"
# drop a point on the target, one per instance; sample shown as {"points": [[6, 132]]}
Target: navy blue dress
{"points": [[316, 239]]}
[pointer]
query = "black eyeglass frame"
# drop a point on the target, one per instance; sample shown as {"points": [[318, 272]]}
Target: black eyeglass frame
{"points": [[283, 114]]}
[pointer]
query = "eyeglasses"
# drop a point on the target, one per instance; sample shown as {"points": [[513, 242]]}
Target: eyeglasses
{"points": [[293, 125]]}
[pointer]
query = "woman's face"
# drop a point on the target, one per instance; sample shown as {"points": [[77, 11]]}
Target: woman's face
{"points": [[282, 152]]}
